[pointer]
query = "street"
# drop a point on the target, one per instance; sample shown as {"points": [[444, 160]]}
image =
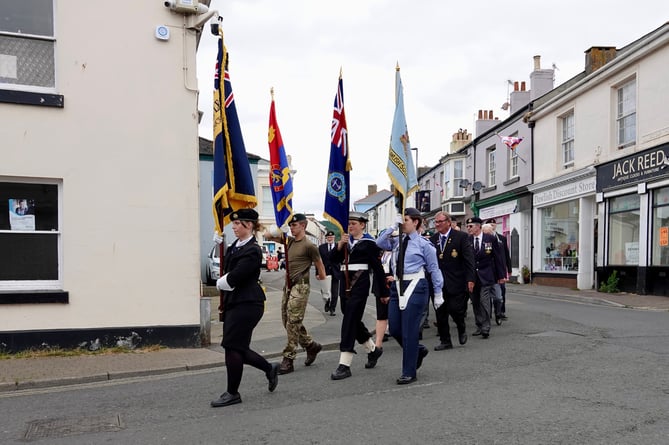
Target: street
{"points": [[557, 372]]}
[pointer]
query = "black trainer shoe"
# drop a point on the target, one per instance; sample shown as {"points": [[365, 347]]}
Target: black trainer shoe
{"points": [[341, 372], [373, 357]]}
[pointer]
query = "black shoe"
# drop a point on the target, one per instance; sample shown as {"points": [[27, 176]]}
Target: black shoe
{"points": [[373, 357], [273, 377], [422, 353], [341, 372], [426, 324], [462, 338], [477, 333], [226, 399], [443, 346], [503, 317], [405, 380], [485, 335], [498, 320], [327, 306], [332, 313], [385, 337]]}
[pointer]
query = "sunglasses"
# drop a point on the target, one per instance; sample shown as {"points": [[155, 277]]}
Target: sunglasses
{"points": [[440, 220]]}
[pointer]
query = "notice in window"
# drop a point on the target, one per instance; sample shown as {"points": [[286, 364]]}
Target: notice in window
{"points": [[22, 214], [664, 236], [632, 253]]}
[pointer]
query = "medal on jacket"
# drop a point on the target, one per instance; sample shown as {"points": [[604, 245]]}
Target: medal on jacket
{"points": [[454, 253], [442, 245]]}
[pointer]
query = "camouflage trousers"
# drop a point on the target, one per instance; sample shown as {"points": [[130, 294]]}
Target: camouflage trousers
{"points": [[293, 307]]}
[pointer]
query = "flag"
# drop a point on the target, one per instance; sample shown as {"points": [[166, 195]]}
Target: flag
{"points": [[511, 142], [400, 163], [233, 183], [280, 179], [337, 191]]}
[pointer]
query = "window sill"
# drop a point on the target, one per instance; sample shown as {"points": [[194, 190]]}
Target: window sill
{"points": [[30, 98], [492, 188], [512, 180], [34, 297]]}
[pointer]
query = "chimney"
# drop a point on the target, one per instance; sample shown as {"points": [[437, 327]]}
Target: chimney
{"points": [[598, 56], [371, 189], [485, 121], [515, 86], [541, 80], [460, 139], [522, 86]]}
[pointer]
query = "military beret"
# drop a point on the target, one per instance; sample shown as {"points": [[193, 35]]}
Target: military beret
{"points": [[297, 217], [330, 233], [358, 216], [490, 221], [244, 215], [474, 220], [412, 212]]}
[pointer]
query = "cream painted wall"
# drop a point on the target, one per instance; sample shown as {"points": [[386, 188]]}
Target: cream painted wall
{"points": [[125, 146]]}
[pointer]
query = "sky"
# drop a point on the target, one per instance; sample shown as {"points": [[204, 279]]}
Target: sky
{"points": [[455, 58]]}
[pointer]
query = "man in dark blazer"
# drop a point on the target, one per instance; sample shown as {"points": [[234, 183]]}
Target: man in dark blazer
{"points": [[332, 273], [455, 256], [501, 239], [489, 264]]}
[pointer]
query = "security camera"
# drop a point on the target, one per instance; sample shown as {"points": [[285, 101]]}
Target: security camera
{"points": [[186, 6]]}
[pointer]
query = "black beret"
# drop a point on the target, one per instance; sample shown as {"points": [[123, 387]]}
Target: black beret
{"points": [[330, 233], [358, 216], [410, 211], [490, 221], [297, 217], [244, 215], [474, 220]]}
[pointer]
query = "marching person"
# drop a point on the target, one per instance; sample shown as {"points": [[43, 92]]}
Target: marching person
{"points": [[300, 255], [330, 288], [243, 306], [360, 255], [381, 328], [407, 303], [501, 239], [489, 271], [456, 262]]}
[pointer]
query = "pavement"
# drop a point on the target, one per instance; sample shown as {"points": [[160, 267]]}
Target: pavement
{"points": [[269, 338]]}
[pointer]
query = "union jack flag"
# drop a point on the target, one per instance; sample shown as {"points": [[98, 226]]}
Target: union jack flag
{"points": [[337, 190]]}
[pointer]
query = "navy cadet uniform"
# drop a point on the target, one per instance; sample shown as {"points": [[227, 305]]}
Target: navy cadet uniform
{"points": [[489, 270], [243, 307], [404, 317], [364, 256]]}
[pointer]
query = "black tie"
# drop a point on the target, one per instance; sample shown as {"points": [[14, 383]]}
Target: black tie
{"points": [[400, 257], [443, 241], [476, 243]]}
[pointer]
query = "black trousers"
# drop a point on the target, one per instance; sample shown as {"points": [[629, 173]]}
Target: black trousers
{"points": [[454, 306], [352, 327]]}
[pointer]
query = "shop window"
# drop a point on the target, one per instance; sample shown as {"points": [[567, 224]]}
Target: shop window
{"points": [[559, 235], [660, 237], [623, 236], [29, 236]]}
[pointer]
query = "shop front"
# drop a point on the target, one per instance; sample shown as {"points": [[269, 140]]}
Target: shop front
{"points": [[633, 200], [564, 230]]}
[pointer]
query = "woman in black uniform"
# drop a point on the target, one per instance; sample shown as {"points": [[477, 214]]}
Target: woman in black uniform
{"points": [[243, 306]]}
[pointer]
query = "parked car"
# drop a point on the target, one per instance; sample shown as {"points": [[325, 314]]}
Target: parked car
{"points": [[213, 268]]}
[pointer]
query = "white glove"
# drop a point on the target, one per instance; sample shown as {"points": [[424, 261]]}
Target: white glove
{"points": [[399, 220], [218, 239], [438, 300], [274, 231], [222, 283]]}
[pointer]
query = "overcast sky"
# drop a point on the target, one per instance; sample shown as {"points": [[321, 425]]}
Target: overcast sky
{"points": [[455, 59]]}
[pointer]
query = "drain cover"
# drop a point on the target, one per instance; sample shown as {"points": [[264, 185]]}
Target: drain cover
{"points": [[41, 429]]}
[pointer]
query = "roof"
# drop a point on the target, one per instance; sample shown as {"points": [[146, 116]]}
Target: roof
{"points": [[375, 198], [207, 149]]}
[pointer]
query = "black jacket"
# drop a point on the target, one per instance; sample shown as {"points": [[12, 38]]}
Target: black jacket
{"points": [[456, 261], [243, 268]]}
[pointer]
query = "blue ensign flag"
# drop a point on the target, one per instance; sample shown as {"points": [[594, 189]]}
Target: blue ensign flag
{"points": [[337, 191], [233, 183]]}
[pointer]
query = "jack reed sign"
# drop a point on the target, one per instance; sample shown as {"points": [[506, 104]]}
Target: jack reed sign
{"points": [[636, 168]]}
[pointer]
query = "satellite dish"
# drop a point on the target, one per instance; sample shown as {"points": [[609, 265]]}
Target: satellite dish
{"points": [[464, 183], [477, 186]]}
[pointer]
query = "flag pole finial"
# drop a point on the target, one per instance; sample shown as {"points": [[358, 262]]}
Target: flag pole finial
{"points": [[340, 72], [397, 66], [271, 92]]}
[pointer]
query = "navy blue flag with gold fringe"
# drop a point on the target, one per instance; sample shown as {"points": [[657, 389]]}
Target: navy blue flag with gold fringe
{"points": [[233, 183]]}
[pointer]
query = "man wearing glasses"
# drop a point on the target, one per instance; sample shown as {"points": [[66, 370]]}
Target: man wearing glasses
{"points": [[455, 256]]}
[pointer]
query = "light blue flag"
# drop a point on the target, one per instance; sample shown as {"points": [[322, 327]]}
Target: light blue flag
{"points": [[401, 170]]}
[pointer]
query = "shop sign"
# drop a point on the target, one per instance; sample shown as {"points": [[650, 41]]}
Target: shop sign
{"points": [[582, 187], [635, 168], [502, 209]]}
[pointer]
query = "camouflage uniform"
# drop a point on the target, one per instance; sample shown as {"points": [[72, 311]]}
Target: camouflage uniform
{"points": [[293, 307]]}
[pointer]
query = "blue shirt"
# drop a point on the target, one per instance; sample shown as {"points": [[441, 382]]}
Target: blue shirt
{"points": [[420, 255]]}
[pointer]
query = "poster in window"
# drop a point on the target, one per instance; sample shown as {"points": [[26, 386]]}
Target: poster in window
{"points": [[423, 200], [22, 214]]}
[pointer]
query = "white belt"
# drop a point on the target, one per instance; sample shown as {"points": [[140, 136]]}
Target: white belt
{"points": [[414, 276], [355, 267]]}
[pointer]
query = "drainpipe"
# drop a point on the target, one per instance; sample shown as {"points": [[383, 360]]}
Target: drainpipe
{"points": [[531, 125]]}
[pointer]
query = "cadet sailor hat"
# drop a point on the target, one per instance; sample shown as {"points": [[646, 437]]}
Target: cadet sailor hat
{"points": [[244, 215], [358, 216]]}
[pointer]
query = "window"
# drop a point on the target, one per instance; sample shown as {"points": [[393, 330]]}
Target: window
{"points": [[660, 238], [29, 235], [568, 140], [559, 237], [448, 192], [626, 114], [624, 230], [267, 203], [441, 185], [27, 57], [458, 175], [491, 167], [513, 164]]}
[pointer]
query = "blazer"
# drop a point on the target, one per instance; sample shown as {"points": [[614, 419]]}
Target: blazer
{"points": [[501, 239], [331, 267], [456, 261], [489, 260], [243, 268]]}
